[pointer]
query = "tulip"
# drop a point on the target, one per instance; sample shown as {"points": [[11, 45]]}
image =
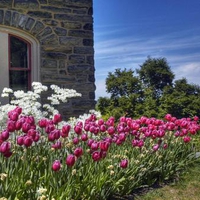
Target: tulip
{"points": [[94, 146], [100, 122], [57, 118], [20, 140], [66, 129], [13, 116], [96, 156], [78, 152], [102, 128], [11, 126], [18, 125], [124, 163], [25, 127], [43, 123], [49, 128], [84, 137], [186, 139], [4, 135], [36, 137], [30, 120], [140, 143], [57, 145], [75, 140], [156, 147], [111, 130], [104, 145], [70, 160], [165, 146], [27, 141], [56, 165], [78, 129], [87, 127], [5, 147]]}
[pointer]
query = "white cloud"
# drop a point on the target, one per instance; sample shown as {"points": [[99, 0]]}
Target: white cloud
{"points": [[181, 49]]}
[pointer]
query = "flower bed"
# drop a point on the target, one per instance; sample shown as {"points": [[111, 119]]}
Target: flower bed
{"points": [[90, 158]]}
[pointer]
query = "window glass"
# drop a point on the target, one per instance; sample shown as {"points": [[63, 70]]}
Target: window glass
{"points": [[19, 80], [18, 53]]}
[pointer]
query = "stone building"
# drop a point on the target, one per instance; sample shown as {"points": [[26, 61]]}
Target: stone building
{"points": [[50, 41]]}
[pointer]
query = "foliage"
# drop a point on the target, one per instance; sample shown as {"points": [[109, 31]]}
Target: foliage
{"points": [[151, 92], [185, 187], [90, 158]]}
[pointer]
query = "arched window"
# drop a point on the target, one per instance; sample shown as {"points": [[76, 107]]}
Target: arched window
{"points": [[19, 64], [19, 60]]}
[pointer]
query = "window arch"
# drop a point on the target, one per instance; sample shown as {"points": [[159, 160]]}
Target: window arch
{"points": [[19, 63], [19, 60]]}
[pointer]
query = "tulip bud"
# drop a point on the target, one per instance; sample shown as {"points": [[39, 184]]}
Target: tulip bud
{"points": [[70, 160], [5, 147], [27, 141], [75, 140], [56, 165], [124, 163], [84, 137], [20, 140], [4, 135], [57, 118], [96, 156], [78, 152]]}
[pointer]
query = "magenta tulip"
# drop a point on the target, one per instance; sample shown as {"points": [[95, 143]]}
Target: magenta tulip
{"points": [[124, 163], [78, 152], [56, 165], [70, 160]]}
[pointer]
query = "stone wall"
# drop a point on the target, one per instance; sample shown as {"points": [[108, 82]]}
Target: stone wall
{"points": [[64, 29]]}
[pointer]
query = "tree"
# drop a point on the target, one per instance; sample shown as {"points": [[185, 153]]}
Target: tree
{"points": [[182, 100], [152, 93], [122, 83], [156, 73]]}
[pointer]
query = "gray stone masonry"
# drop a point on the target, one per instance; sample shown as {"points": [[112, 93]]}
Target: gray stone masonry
{"points": [[64, 29]]}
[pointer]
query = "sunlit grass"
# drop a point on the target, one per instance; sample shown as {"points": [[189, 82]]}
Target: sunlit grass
{"points": [[187, 187]]}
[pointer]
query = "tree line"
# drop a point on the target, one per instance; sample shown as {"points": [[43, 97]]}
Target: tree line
{"points": [[150, 91]]}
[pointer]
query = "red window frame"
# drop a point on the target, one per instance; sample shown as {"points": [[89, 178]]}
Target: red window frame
{"points": [[18, 68]]}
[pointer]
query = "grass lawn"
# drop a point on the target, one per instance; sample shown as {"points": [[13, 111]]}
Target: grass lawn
{"points": [[186, 188]]}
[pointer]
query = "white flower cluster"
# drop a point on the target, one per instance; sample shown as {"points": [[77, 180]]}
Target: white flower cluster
{"points": [[6, 92], [30, 101], [62, 94]]}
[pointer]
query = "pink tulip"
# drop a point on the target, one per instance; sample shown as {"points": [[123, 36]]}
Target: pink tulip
{"points": [[78, 129], [30, 120], [11, 126], [124, 163], [4, 135], [18, 125], [111, 130], [186, 139], [70, 160], [57, 145], [27, 141], [25, 127], [20, 140], [94, 146], [57, 118], [5, 147], [156, 147], [43, 123], [84, 137], [96, 155], [66, 129], [103, 145], [56, 165], [75, 140], [78, 152]]}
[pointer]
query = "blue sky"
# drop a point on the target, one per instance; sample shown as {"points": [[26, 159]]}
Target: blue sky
{"points": [[127, 31]]}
